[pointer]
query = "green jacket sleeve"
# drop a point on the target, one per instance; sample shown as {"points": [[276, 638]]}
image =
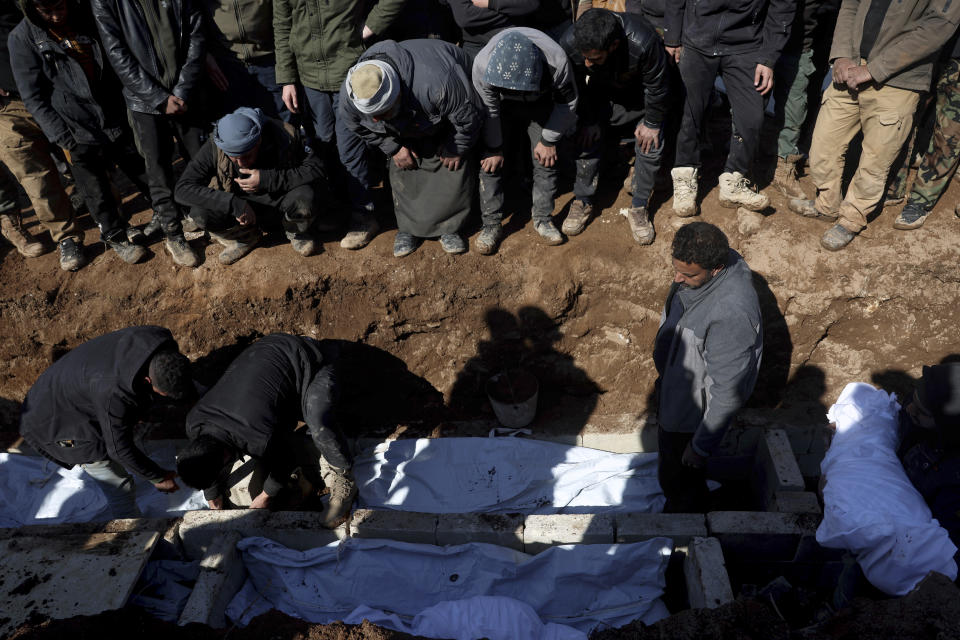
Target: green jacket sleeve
{"points": [[382, 15], [286, 66]]}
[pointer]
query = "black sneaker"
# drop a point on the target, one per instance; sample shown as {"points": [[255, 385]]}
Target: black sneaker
{"points": [[912, 217], [128, 252], [71, 255]]}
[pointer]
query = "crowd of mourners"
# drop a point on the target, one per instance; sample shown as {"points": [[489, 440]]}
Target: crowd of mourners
{"points": [[288, 114]]}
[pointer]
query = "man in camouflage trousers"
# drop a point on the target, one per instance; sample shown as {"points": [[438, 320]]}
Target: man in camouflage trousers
{"points": [[943, 155]]}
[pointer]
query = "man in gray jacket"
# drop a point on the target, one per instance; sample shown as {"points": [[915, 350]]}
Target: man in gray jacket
{"points": [[707, 353]]}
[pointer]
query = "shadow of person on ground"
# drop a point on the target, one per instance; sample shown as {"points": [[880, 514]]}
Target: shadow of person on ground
{"points": [[777, 349]]}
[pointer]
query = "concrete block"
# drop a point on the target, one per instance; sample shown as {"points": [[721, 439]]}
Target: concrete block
{"points": [[499, 529], [708, 585], [221, 575], [796, 502], [300, 530], [406, 526], [294, 529], [543, 531], [775, 467], [680, 527], [628, 442], [800, 436], [809, 464], [754, 536]]}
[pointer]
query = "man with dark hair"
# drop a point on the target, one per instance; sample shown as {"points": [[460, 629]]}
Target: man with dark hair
{"points": [[59, 67], [254, 409], [413, 100], [254, 167], [626, 97], [707, 352], [83, 409]]}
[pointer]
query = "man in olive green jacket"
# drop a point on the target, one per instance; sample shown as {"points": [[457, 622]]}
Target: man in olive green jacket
{"points": [[316, 43]]}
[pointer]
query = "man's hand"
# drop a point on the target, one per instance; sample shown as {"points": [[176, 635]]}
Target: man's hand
{"points": [[491, 164], [692, 459], [167, 485], [481, 4], [216, 504], [289, 95], [175, 106], [251, 182], [262, 501], [858, 77], [367, 32], [216, 75], [4, 93], [451, 162], [647, 138], [840, 68], [247, 217], [405, 159], [674, 52], [546, 156], [587, 135], [763, 79]]}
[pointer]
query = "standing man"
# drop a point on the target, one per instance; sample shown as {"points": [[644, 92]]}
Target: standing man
{"points": [[253, 410], [626, 97], [156, 48], [707, 352], [414, 101], [741, 41], [524, 79], [883, 56], [83, 409]]}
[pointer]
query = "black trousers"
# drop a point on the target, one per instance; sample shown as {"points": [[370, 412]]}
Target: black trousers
{"points": [[684, 487], [155, 134], [297, 208], [319, 412], [699, 72]]}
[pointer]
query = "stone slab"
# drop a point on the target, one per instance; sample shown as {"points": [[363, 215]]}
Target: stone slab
{"points": [[680, 527], [405, 526], [776, 467], [222, 573], [797, 502], [755, 536], [499, 529], [705, 571], [541, 532], [70, 575]]}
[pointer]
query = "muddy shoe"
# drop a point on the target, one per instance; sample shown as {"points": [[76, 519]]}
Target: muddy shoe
{"points": [[135, 235], [188, 225], [836, 238], [304, 244], [152, 228], [71, 255], [363, 228], [12, 229], [808, 209], [640, 225], [237, 242], [785, 177], [684, 191], [577, 218], [343, 491], [548, 231], [737, 191], [489, 239], [912, 217], [128, 252], [453, 243], [405, 244], [181, 251]]}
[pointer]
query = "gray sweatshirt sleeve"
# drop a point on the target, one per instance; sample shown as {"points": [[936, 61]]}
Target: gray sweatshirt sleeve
{"points": [[492, 133], [563, 118]]}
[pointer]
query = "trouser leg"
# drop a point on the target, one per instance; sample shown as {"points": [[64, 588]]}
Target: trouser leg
{"points": [[117, 486], [89, 167], [645, 169], [698, 73], [746, 106], [355, 157], [685, 488], [9, 194], [544, 179], [319, 414], [588, 171], [299, 210], [943, 155], [155, 141], [213, 221], [837, 123], [491, 197], [790, 102]]}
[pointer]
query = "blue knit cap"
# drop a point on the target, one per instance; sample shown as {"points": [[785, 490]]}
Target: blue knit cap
{"points": [[238, 132], [516, 63]]}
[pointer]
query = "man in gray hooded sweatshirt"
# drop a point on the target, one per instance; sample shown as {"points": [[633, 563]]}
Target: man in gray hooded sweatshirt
{"points": [[707, 353]]}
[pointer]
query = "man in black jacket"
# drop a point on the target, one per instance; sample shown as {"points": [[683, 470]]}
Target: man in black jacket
{"points": [[59, 68], [626, 96], [82, 410], [254, 409], [259, 168], [156, 48], [741, 40]]}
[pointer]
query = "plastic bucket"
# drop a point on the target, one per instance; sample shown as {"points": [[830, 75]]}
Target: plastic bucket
{"points": [[513, 395]]}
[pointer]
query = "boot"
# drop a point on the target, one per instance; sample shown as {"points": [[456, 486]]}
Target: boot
{"points": [[128, 252], [71, 254], [912, 217], [577, 218], [453, 243], [237, 242], [181, 251], [343, 491], [489, 239], [548, 231], [808, 209], [304, 244], [363, 228], [836, 238], [685, 191], [404, 244], [12, 229], [737, 191], [640, 225], [152, 227], [785, 177]]}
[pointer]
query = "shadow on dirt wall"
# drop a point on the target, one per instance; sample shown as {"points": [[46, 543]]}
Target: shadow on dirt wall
{"points": [[902, 383]]}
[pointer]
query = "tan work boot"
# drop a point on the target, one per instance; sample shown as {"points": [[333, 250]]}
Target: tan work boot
{"points": [[181, 251], [363, 228], [237, 242], [640, 225], [785, 177], [577, 218], [685, 191], [12, 229], [737, 191], [343, 491]]}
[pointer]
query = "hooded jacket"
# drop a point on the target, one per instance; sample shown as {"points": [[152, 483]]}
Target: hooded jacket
{"points": [[240, 29], [132, 52], [70, 108], [10, 16], [437, 98], [711, 362], [84, 407]]}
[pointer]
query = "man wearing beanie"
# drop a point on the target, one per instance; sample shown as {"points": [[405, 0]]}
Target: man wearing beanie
{"points": [[414, 101], [253, 169], [524, 79]]}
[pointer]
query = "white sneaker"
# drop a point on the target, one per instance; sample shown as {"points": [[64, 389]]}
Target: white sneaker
{"points": [[737, 191], [685, 191]]}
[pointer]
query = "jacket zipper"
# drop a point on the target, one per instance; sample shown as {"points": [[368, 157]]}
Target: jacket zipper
{"points": [[243, 35]]}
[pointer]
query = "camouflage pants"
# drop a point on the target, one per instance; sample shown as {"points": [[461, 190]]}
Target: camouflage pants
{"points": [[943, 155]]}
